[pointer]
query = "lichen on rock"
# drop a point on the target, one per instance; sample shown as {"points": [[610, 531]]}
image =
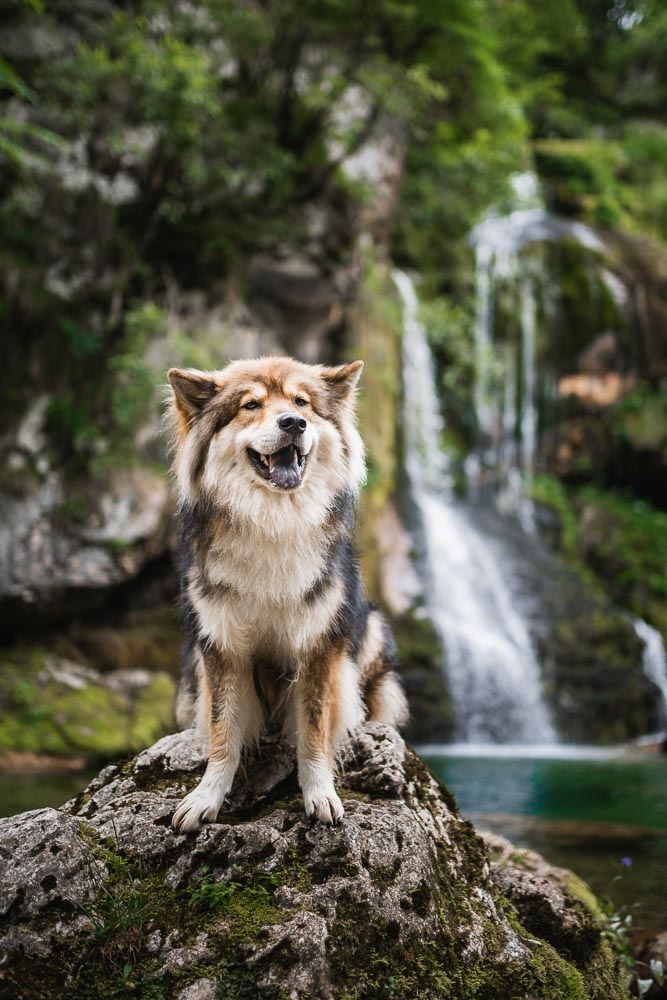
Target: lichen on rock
{"points": [[399, 901]]}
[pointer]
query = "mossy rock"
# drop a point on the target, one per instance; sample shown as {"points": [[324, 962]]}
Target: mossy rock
{"points": [[400, 901], [619, 541], [422, 666], [55, 706]]}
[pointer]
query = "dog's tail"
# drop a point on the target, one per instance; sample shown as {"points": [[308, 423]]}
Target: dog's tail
{"points": [[383, 695], [387, 702]]}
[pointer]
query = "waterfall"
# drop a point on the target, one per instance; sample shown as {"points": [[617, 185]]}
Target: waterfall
{"points": [[506, 386], [493, 673], [654, 662]]}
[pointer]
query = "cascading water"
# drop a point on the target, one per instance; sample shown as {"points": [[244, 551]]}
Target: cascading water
{"points": [[531, 354], [493, 673], [654, 662], [508, 263]]}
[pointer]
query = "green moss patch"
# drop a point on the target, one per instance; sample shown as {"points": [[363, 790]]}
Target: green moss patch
{"points": [[42, 714], [619, 540]]}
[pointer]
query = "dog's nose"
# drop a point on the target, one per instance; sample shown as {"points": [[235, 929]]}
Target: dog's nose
{"points": [[290, 422]]}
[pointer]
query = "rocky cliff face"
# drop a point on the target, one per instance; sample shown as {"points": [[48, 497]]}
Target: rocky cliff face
{"points": [[103, 899]]}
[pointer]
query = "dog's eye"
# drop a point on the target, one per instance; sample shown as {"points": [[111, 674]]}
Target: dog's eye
{"points": [[300, 401], [253, 404]]}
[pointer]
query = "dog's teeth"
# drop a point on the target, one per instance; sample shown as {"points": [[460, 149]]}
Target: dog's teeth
{"points": [[264, 459]]}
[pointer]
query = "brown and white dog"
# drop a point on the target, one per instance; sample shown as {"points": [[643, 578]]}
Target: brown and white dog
{"points": [[268, 463]]}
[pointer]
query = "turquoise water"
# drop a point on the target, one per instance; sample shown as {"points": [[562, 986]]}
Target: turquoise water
{"points": [[605, 818]]}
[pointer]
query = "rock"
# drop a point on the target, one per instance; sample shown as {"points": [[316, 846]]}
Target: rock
{"points": [[55, 564], [398, 901], [202, 989], [301, 299], [552, 903], [45, 864]]}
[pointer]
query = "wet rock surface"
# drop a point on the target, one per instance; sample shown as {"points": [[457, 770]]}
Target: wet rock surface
{"points": [[399, 901]]}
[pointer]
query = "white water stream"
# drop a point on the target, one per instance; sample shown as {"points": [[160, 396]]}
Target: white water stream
{"points": [[492, 669], [506, 383], [654, 662], [493, 673]]}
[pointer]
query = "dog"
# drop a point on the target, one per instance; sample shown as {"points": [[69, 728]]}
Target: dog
{"points": [[269, 463]]}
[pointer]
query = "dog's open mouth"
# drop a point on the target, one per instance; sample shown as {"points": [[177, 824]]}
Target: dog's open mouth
{"points": [[283, 469]]}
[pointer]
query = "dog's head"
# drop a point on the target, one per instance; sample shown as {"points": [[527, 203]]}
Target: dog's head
{"points": [[268, 427]]}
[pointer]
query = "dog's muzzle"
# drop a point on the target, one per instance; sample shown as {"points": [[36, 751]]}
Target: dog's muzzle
{"points": [[283, 469]]}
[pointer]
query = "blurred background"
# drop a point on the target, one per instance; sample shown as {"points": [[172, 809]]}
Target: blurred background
{"points": [[470, 196]]}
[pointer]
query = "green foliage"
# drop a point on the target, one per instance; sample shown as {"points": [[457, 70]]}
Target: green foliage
{"points": [[592, 81], [550, 492], [227, 122], [449, 325], [20, 139], [123, 904], [618, 925], [625, 542], [640, 418], [192, 137], [70, 425], [134, 382], [621, 540], [618, 931]]}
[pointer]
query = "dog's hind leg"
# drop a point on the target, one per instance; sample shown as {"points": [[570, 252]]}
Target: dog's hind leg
{"points": [[234, 721], [328, 708]]}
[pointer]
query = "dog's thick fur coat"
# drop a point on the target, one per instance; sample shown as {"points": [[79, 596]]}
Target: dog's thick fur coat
{"points": [[268, 463]]}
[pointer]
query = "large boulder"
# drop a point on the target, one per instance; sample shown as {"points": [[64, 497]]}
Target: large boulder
{"points": [[399, 901]]}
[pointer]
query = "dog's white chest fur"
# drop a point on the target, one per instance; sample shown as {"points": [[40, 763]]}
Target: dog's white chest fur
{"points": [[258, 601]]}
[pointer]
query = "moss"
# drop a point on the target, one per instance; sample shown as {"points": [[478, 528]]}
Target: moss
{"points": [[576, 887], [370, 957], [617, 541], [549, 492], [548, 976], [375, 336], [131, 902], [45, 715], [421, 659], [595, 678], [372, 961], [622, 540]]}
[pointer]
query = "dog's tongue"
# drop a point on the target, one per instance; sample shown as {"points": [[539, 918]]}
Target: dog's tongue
{"points": [[284, 470]]}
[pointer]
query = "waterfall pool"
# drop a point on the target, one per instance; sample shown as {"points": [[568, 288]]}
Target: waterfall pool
{"points": [[602, 813], [21, 792]]}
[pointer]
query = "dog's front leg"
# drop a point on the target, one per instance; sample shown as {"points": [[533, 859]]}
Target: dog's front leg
{"points": [[234, 719], [328, 706]]}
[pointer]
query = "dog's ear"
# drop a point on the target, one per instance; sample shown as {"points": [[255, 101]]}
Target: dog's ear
{"points": [[342, 380], [192, 389]]}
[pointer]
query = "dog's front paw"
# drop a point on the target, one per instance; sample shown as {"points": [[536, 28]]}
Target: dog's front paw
{"points": [[325, 806], [201, 806]]}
